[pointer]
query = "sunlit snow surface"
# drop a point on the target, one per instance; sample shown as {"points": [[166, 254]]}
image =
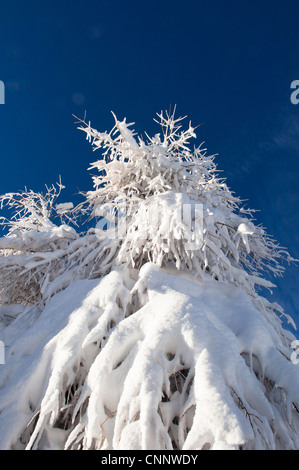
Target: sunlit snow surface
{"points": [[149, 360]]}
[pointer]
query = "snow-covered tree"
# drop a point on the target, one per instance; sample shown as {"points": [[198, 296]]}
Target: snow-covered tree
{"points": [[33, 251], [39, 257], [154, 333]]}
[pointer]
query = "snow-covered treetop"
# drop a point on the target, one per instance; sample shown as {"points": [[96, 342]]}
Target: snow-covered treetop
{"points": [[165, 172]]}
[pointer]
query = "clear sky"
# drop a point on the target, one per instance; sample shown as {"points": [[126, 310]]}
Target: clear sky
{"points": [[227, 64]]}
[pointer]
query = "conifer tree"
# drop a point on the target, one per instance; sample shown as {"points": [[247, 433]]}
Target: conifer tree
{"points": [[155, 333]]}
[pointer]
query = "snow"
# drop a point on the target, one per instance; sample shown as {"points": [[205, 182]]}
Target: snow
{"points": [[8, 313], [192, 352], [64, 207], [152, 334]]}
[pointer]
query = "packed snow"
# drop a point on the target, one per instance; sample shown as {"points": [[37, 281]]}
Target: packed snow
{"points": [[194, 366]]}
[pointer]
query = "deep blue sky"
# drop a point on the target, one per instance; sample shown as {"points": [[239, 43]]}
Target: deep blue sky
{"points": [[227, 64]]}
